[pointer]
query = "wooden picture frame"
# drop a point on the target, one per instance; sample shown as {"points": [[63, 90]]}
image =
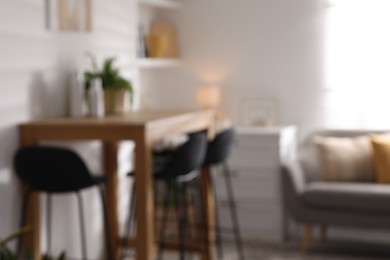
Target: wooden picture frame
{"points": [[68, 15]]}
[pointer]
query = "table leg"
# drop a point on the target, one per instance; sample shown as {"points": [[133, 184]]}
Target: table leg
{"points": [[209, 212], [31, 242], [145, 243], [111, 170]]}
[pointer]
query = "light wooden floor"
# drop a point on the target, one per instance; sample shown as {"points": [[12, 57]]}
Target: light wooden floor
{"points": [[332, 250]]}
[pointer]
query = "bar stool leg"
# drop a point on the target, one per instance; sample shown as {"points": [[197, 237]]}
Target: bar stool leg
{"points": [[109, 250], [191, 222], [181, 219], [164, 220], [48, 222], [130, 220], [82, 226], [233, 211], [25, 203], [217, 223], [197, 205]]}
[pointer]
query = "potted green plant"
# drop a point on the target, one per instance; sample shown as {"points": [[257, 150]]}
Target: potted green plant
{"points": [[114, 85], [7, 254], [5, 251]]}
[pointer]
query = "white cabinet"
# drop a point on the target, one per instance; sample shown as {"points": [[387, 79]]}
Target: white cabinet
{"points": [[255, 166]]}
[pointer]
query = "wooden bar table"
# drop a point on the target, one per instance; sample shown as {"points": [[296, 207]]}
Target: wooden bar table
{"points": [[143, 128]]}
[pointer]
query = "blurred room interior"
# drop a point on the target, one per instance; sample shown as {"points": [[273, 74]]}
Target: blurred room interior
{"points": [[302, 86]]}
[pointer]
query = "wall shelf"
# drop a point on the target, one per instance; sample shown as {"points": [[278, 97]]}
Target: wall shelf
{"points": [[168, 4], [152, 63]]}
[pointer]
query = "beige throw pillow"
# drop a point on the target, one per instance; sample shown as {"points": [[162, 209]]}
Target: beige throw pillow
{"points": [[345, 159], [381, 152]]}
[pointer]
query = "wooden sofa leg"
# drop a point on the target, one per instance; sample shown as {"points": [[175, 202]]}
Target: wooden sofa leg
{"points": [[324, 232], [306, 238]]}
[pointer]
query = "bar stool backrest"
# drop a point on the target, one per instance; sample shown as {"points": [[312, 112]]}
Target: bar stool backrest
{"points": [[51, 169], [218, 150], [187, 158]]}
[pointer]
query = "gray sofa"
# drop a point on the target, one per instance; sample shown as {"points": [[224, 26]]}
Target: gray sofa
{"points": [[309, 202]]}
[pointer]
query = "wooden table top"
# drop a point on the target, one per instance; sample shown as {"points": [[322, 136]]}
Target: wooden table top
{"points": [[158, 123], [130, 118]]}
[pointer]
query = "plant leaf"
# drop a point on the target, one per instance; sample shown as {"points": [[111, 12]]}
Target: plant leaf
{"points": [[6, 254], [62, 256], [110, 77], [47, 257], [16, 234]]}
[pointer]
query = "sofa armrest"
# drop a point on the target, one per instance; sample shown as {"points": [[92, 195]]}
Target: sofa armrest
{"points": [[293, 185], [293, 175]]}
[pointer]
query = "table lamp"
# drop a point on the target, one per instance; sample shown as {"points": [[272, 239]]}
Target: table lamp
{"points": [[208, 96]]}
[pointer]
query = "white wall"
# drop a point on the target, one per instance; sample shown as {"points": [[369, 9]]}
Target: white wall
{"points": [[34, 69], [276, 49], [253, 48]]}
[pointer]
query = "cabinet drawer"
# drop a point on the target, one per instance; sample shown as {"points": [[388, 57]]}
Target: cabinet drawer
{"points": [[256, 140], [250, 187], [262, 235], [266, 173], [254, 157], [260, 217], [256, 235]]}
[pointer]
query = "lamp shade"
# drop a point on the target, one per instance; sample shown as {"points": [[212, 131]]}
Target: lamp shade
{"points": [[208, 96]]}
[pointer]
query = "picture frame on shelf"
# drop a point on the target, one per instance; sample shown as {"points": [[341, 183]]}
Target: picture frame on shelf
{"points": [[68, 15], [259, 111]]}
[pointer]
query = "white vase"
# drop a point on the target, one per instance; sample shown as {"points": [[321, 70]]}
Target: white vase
{"points": [[96, 98], [77, 104]]}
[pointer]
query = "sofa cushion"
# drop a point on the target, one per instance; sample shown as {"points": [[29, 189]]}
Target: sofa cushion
{"points": [[381, 148], [348, 196], [345, 159], [307, 153]]}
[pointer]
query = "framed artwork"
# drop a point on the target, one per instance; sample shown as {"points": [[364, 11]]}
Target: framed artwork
{"points": [[68, 15], [258, 111]]}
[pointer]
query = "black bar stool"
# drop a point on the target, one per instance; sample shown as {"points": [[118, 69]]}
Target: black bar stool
{"points": [[179, 169], [218, 151], [53, 170]]}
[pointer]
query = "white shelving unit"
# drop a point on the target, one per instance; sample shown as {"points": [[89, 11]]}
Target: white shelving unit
{"points": [[151, 63], [155, 72], [150, 11]]}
